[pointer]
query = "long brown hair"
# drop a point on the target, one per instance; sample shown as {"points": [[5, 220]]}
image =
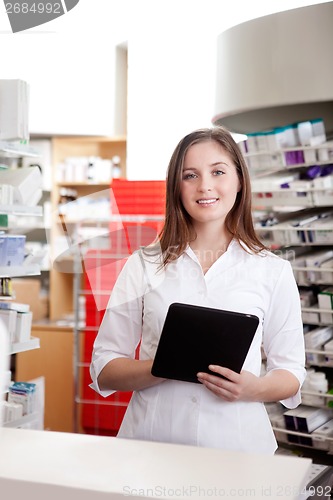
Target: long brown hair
{"points": [[178, 230]]}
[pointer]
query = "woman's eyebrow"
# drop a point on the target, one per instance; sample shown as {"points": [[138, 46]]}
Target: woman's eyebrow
{"points": [[215, 164]]}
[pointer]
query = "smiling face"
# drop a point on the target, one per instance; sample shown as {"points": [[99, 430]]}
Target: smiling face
{"points": [[209, 183]]}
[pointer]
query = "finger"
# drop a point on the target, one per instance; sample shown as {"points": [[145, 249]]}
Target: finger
{"points": [[225, 372], [221, 392], [215, 381]]}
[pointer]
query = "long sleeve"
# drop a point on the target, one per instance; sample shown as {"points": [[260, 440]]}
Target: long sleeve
{"points": [[283, 331], [120, 330]]}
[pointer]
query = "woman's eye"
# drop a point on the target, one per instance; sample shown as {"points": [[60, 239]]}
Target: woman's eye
{"points": [[218, 172], [189, 176]]}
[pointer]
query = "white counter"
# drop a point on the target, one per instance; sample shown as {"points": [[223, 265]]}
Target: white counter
{"points": [[44, 465]]}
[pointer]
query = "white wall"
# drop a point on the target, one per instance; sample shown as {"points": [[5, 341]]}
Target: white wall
{"points": [[171, 81], [70, 65]]}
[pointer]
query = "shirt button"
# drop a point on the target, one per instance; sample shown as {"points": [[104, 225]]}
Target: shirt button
{"points": [[194, 400]]}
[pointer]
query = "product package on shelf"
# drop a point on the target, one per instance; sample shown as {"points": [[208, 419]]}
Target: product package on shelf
{"points": [[12, 250], [23, 393], [325, 301]]}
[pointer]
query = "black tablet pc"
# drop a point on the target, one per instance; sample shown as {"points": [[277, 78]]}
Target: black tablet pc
{"points": [[194, 337]]}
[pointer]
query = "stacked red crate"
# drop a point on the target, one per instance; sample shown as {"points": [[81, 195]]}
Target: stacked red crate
{"points": [[141, 206]]}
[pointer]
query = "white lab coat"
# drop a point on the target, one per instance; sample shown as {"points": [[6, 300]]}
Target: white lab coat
{"points": [[184, 412]]}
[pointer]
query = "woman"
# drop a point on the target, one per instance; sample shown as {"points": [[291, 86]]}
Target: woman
{"points": [[207, 254]]}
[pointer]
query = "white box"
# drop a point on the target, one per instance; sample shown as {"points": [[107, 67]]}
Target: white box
{"points": [[23, 327], [320, 435], [323, 231], [307, 298], [14, 106], [27, 183], [326, 275], [325, 301], [328, 348], [314, 340], [14, 411], [323, 182], [311, 317], [308, 419], [304, 130], [318, 132], [318, 336], [23, 393], [315, 260], [9, 319], [12, 250]]}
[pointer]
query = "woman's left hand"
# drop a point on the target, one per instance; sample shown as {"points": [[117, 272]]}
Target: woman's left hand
{"points": [[242, 386]]}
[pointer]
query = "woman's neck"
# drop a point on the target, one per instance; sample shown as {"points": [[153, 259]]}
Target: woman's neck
{"points": [[208, 247], [217, 239]]}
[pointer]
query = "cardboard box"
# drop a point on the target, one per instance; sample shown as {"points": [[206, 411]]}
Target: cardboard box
{"points": [[28, 291], [14, 105], [306, 418], [328, 348], [309, 419], [12, 250], [320, 435], [325, 301]]}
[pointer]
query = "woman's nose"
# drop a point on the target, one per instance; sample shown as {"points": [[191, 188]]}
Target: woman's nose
{"points": [[204, 184]]}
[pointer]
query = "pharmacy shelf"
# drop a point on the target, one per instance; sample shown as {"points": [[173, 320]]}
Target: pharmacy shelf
{"points": [[312, 435], [12, 149], [21, 422], [317, 310], [17, 347], [106, 184], [16, 271], [112, 218], [35, 211], [323, 395], [310, 198], [276, 152]]}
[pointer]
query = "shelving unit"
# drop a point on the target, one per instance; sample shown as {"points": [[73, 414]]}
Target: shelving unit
{"points": [[283, 237], [17, 347], [61, 274], [12, 150]]}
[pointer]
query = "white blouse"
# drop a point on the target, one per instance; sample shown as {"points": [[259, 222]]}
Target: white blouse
{"points": [[185, 412]]}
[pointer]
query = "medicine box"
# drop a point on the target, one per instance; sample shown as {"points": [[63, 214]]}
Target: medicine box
{"points": [[326, 275], [316, 260], [9, 319], [306, 418], [10, 411], [328, 348], [23, 327], [23, 393], [315, 339], [325, 301], [27, 183], [320, 435], [311, 316], [318, 336], [12, 250], [14, 105]]}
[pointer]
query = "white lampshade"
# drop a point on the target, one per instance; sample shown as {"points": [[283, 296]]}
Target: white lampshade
{"points": [[276, 70]]}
